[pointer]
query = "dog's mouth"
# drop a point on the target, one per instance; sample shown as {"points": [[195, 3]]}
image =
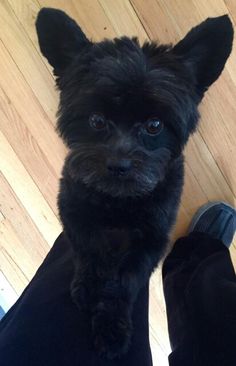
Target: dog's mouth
{"points": [[92, 171], [124, 187], [118, 187]]}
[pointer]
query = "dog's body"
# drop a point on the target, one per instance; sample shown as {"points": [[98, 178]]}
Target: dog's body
{"points": [[126, 113], [120, 243]]}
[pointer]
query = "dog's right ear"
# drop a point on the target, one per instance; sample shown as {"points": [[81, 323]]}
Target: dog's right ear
{"points": [[60, 38]]}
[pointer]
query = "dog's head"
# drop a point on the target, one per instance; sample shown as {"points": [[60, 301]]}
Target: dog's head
{"points": [[126, 111]]}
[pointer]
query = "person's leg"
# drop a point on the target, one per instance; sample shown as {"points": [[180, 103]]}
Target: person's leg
{"points": [[45, 328], [200, 292]]}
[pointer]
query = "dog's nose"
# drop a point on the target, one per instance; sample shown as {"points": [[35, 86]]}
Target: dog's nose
{"points": [[119, 167]]}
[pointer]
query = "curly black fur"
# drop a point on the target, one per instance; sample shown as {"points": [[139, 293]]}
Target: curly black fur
{"points": [[118, 224]]}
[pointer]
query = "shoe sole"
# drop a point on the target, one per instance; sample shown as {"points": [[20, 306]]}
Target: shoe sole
{"points": [[202, 210]]}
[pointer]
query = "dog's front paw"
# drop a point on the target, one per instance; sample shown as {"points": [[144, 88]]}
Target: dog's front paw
{"points": [[112, 330], [80, 295]]}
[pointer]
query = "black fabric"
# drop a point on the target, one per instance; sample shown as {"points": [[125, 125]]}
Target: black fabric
{"points": [[44, 327], [200, 292]]}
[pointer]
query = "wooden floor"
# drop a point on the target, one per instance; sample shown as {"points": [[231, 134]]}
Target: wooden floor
{"points": [[31, 154]]}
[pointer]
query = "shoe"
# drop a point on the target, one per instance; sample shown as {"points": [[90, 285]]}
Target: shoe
{"points": [[217, 219]]}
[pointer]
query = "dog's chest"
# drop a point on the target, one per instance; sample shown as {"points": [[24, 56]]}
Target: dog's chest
{"points": [[126, 226]]}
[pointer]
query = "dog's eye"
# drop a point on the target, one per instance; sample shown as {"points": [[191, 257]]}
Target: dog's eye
{"points": [[97, 121], [154, 126]]}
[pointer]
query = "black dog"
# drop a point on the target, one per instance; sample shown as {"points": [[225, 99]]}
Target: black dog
{"points": [[126, 112]]}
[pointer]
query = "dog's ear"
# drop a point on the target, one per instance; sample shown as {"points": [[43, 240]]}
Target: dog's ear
{"points": [[205, 50], [60, 38]]}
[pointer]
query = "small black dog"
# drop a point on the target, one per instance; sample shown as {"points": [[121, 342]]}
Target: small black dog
{"points": [[126, 112]]}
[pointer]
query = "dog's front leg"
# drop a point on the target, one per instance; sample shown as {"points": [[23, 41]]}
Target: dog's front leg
{"points": [[84, 277], [112, 312], [81, 283], [111, 320]]}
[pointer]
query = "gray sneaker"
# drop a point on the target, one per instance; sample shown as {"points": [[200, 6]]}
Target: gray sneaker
{"points": [[217, 219]]}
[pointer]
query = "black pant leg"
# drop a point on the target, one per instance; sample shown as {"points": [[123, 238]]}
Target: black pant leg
{"points": [[200, 292], [44, 327]]}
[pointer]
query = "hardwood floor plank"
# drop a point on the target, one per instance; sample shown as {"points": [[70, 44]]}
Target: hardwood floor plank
{"points": [[28, 193], [26, 12], [231, 7], [12, 272], [30, 111], [124, 19], [27, 59], [206, 171], [26, 256], [28, 151], [155, 21]]}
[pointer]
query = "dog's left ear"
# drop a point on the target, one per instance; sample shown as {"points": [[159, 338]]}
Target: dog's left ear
{"points": [[60, 38], [205, 50]]}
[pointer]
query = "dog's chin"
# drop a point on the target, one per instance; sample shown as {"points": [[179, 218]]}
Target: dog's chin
{"points": [[122, 187]]}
